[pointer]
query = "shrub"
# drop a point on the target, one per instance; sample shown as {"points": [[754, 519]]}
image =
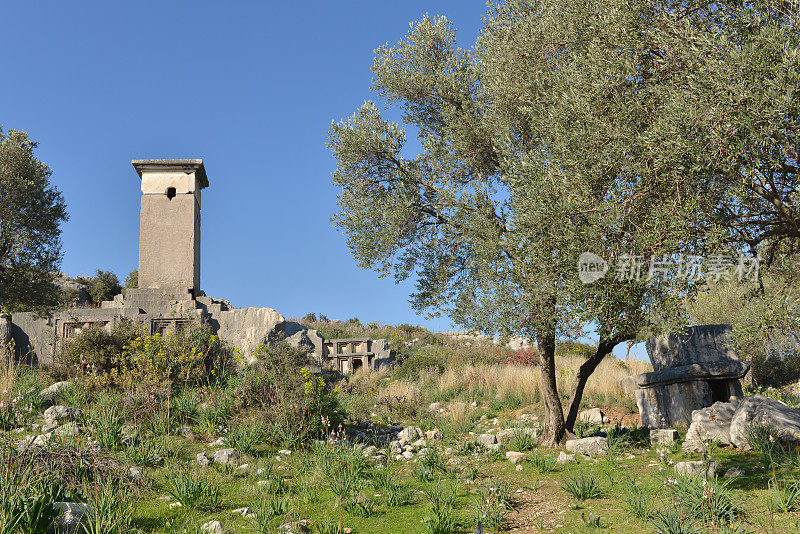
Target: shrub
{"points": [[126, 358], [492, 504], [543, 462], [297, 404], [412, 366], [785, 495], [269, 508], [669, 522]]}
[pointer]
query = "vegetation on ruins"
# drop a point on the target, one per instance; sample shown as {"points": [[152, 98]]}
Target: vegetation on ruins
{"points": [[31, 213]]}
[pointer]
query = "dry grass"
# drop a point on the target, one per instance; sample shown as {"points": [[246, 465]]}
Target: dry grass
{"points": [[513, 381], [8, 377]]}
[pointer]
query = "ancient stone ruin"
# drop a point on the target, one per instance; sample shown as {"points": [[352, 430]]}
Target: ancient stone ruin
{"points": [[169, 296], [692, 370]]}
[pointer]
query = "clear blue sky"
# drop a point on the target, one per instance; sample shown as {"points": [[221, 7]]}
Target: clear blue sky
{"points": [[250, 87]]}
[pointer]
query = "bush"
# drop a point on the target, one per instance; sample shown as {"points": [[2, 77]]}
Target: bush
{"points": [[297, 404], [127, 359], [570, 347], [417, 363]]}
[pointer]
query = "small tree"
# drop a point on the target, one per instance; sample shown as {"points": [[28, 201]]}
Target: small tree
{"points": [[31, 212], [632, 128], [104, 285]]}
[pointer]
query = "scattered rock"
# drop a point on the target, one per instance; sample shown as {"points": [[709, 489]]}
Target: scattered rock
{"points": [[592, 415], [50, 393], [213, 527], [435, 406], [693, 469], [135, 475], [408, 455], [72, 516], [408, 435], [175, 505], [285, 452], [663, 436], [763, 411], [47, 428], [68, 429], [245, 512], [515, 457], [225, 456], [734, 472], [564, 458], [710, 424], [219, 442], [58, 415], [433, 434], [505, 436], [590, 446], [486, 440], [203, 459]]}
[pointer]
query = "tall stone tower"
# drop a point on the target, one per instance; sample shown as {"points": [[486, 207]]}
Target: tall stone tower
{"points": [[169, 225]]}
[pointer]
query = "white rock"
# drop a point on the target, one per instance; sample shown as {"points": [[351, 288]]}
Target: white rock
{"points": [[692, 469], [213, 527], [72, 515], [58, 415], [245, 512], [564, 458], [592, 415], [591, 446], [225, 456], [515, 457], [734, 472], [486, 440]]}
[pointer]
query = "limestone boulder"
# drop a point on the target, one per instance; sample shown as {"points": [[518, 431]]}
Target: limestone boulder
{"points": [[58, 415], [564, 458], [72, 516], [515, 457], [247, 328], [5, 331], [710, 424], [50, 393], [757, 410], [590, 446], [698, 468], [486, 440], [213, 527], [663, 436], [592, 415], [226, 456]]}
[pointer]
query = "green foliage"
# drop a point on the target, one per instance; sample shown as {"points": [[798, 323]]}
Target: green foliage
{"points": [[297, 404], [106, 421], [668, 521], [267, 510], [31, 212], [440, 517], [193, 490], [492, 504], [785, 495], [543, 462], [132, 280], [707, 500], [411, 367], [104, 285], [245, 435], [112, 509], [583, 487], [126, 358]]}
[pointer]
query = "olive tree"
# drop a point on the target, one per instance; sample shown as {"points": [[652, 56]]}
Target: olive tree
{"points": [[31, 212], [555, 135]]}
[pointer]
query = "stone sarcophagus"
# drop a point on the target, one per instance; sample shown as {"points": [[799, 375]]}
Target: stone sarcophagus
{"points": [[691, 370]]}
